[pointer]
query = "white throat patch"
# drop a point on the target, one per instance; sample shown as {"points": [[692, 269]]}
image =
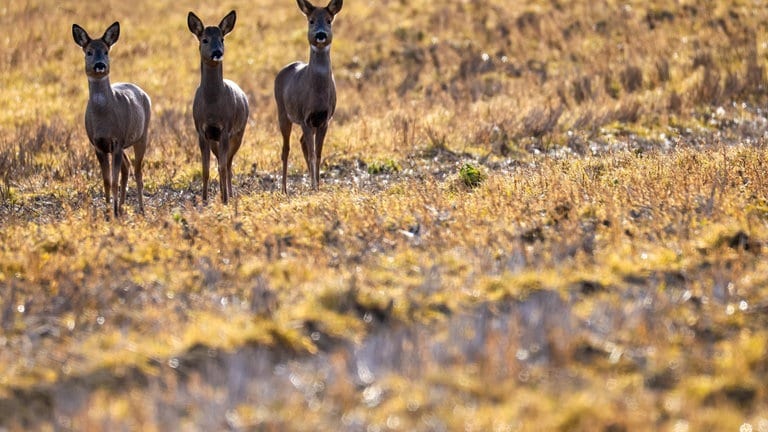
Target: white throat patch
{"points": [[97, 98], [324, 49]]}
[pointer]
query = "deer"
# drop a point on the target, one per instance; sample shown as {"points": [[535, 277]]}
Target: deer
{"points": [[220, 107], [305, 93], [116, 117]]}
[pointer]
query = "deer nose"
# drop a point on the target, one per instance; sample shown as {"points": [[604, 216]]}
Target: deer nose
{"points": [[217, 55], [100, 67], [321, 37]]}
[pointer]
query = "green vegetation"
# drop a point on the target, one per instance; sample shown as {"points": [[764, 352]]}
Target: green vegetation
{"points": [[388, 166], [532, 216], [470, 175]]}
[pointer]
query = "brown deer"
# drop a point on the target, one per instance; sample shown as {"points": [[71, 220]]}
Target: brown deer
{"points": [[306, 93], [220, 108], [116, 117]]}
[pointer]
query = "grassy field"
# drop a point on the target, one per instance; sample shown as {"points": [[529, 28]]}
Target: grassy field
{"points": [[532, 216]]}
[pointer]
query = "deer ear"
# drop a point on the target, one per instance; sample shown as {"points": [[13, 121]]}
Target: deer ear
{"points": [[195, 25], [80, 35], [112, 34], [305, 6], [228, 23], [334, 6]]}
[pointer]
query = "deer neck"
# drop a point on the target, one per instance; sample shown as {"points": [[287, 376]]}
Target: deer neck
{"points": [[100, 94], [211, 80], [320, 63]]}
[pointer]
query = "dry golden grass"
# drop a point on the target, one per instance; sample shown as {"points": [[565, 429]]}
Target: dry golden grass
{"points": [[533, 216]]}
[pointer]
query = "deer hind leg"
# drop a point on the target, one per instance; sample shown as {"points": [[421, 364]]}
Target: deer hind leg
{"points": [[285, 130], [105, 174], [234, 146], [139, 149]]}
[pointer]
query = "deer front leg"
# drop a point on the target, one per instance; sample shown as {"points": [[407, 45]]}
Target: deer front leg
{"points": [[285, 130], [308, 145], [222, 160], [313, 160], [230, 192], [124, 178], [105, 174], [305, 150], [205, 152], [117, 163], [319, 139]]}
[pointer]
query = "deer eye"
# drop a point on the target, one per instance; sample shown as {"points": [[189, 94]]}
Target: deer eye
{"points": [[328, 21], [312, 21], [205, 40], [89, 53]]}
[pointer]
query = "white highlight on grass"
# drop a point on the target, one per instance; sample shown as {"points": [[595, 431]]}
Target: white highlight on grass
{"points": [[522, 354], [364, 373], [372, 396], [680, 426], [762, 425]]}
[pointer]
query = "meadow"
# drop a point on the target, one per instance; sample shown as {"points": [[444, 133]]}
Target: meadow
{"points": [[532, 215]]}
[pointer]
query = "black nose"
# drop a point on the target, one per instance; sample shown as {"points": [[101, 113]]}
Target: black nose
{"points": [[100, 67], [321, 36], [217, 54]]}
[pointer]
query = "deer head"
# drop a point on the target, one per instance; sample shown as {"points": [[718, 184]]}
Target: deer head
{"points": [[96, 50], [211, 38], [319, 32]]}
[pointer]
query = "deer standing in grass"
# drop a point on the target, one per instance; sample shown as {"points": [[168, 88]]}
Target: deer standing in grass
{"points": [[116, 117], [306, 93], [220, 108]]}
